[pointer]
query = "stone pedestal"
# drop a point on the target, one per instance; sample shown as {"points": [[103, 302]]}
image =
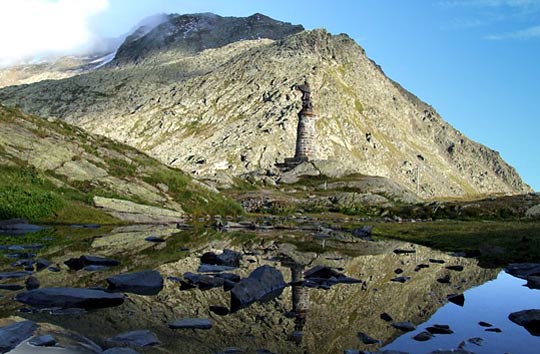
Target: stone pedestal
{"points": [[305, 136]]}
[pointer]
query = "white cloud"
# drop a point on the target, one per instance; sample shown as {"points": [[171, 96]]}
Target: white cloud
{"points": [[30, 28], [528, 33]]}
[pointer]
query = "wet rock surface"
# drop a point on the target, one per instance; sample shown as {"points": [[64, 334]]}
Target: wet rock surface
{"points": [[69, 298], [529, 319], [86, 261], [13, 335], [45, 340], [147, 282], [263, 283], [138, 338], [191, 323]]}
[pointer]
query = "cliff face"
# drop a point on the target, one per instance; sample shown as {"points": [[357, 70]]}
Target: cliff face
{"points": [[233, 108]]}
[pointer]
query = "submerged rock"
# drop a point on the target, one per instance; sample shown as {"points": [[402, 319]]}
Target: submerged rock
{"points": [[523, 270], [219, 310], [84, 261], [31, 283], [45, 340], [228, 258], [147, 282], [264, 283], [366, 339], [210, 268], [423, 336], [458, 299], [439, 329], [404, 251], [404, 326], [530, 319], [12, 335], [191, 323], [476, 341], [386, 317], [457, 268], [14, 275], [324, 277], [69, 298], [203, 282], [139, 338]]}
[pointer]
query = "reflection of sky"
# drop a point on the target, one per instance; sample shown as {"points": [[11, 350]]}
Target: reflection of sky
{"points": [[491, 302]]}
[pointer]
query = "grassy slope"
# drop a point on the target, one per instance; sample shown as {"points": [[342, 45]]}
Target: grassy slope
{"points": [[46, 196]]}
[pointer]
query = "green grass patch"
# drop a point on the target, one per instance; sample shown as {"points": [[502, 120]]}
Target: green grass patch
{"points": [[497, 243]]}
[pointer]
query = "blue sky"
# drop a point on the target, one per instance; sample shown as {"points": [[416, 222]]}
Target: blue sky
{"points": [[475, 61]]}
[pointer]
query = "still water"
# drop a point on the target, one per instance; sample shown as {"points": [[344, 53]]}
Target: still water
{"points": [[399, 279], [490, 302]]}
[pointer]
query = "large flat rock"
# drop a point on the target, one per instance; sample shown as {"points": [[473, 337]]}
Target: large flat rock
{"points": [[69, 298]]}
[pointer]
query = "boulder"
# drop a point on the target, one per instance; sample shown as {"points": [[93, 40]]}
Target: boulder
{"points": [[84, 261], [476, 341], [423, 336], [147, 282], [191, 323], [31, 283], [263, 284], [138, 213], [363, 233], [14, 275], [457, 299], [533, 282], [366, 339], [386, 317], [69, 298], [203, 282], [138, 338], [210, 268], [457, 268], [324, 277], [530, 319], [219, 310], [12, 335], [404, 326], [439, 329], [45, 340], [523, 270], [228, 258]]}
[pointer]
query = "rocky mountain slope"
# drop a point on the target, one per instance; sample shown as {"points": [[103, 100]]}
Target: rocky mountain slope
{"points": [[55, 171], [232, 109]]}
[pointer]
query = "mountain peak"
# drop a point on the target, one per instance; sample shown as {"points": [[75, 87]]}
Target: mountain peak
{"points": [[193, 33]]}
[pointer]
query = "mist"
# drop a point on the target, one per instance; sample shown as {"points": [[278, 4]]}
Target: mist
{"points": [[32, 30]]}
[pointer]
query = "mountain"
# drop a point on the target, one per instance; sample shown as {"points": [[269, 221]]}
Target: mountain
{"points": [[53, 171], [215, 97]]}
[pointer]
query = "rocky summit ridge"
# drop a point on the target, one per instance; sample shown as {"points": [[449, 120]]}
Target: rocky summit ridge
{"points": [[215, 97]]}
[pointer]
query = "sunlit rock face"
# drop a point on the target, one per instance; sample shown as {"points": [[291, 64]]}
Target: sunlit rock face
{"points": [[215, 96], [299, 319]]}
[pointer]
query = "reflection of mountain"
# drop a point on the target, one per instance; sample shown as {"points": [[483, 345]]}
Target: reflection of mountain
{"points": [[332, 317]]}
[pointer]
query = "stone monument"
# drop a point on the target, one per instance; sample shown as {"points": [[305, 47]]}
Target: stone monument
{"points": [[305, 133]]}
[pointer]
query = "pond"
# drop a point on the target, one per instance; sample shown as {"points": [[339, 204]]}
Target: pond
{"points": [[337, 292]]}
